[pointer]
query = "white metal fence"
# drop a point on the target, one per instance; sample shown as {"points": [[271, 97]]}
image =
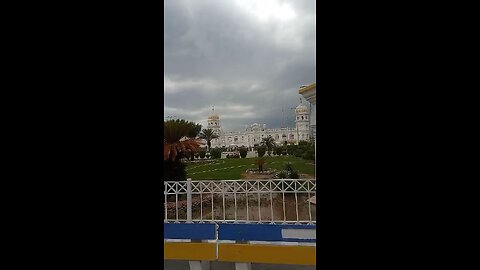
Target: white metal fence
{"points": [[275, 201]]}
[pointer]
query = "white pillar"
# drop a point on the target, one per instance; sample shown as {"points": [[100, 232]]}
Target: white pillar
{"points": [[199, 265], [189, 200], [243, 266]]}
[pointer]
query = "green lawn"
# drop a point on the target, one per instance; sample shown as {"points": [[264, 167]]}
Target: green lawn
{"points": [[232, 168]]}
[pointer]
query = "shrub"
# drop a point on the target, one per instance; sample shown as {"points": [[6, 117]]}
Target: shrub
{"points": [[278, 151], [303, 143], [309, 155], [215, 153], [202, 154], [288, 167], [174, 171], [243, 152], [292, 175], [291, 149], [261, 151]]}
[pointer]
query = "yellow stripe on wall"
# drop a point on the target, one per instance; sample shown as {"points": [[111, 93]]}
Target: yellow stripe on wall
{"points": [[189, 251], [304, 255]]}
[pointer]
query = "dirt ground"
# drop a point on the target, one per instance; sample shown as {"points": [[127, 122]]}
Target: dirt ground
{"points": [[256, 210]]}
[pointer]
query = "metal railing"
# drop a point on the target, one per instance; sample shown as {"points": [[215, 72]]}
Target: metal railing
{"points": [[274, 201]]}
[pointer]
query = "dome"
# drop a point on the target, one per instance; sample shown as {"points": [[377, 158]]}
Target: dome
{"points": [[213, 117], [301, 109]]}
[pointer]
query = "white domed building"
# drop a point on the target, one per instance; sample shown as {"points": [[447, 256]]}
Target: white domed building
{"points": [[253, 134]]}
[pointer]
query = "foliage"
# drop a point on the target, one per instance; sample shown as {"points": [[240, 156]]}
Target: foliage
{"points": [[293, 175], [176, 143], [288, 173], [305, 150], [243, 152], [202, 153], [174, 170], [215, 153], [208, 135], [309, 155], [303, 143], [195, 130], [288, 167], [261, 151], [269, 143], [282, 175], [260, 162], [278, 151]]}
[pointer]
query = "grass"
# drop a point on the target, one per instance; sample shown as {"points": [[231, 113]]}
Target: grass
{"points": [[232, 168]]}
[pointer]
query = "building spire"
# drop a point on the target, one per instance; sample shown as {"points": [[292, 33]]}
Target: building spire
{"points": [[213, 109]]}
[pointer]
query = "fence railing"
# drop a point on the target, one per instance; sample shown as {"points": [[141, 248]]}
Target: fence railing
{"points": [[274, 201]]}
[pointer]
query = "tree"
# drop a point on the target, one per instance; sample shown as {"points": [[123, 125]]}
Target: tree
{"points": [[215, 153], [243, 152], [208, 135], [261, 151], [176, 145], [193, 133], [278, 150], [260, 162], [269, 143]]}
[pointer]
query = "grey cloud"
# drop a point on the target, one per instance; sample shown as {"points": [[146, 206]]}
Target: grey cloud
{"points": [[218, 54]]}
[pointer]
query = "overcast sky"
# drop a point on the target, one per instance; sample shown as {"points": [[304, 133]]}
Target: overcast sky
{"points": [[247, 58]]}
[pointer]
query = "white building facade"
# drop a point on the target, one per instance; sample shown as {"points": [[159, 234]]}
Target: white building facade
{"points": [[253, 135]]}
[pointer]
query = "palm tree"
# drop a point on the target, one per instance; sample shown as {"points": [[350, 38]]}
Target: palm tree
{"points": [[176, 143], [193, 133], [208, 135], [268, 142]]}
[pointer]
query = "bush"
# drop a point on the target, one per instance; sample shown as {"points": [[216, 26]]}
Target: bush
{"points": [[303, 143], [291, 149], [243, 152], [292, 175], [261, 151], [215, 153], [288, 167], [278, 151], [309, 155], [288, 173], [202, 154], [174, 171]]}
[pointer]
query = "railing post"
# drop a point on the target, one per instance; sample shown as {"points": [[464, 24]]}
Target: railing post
{"points": [[199, 265], [189, 200], [243, 266]]}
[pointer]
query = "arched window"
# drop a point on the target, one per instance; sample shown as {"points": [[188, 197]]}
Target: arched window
{"points": [[302, 117]]}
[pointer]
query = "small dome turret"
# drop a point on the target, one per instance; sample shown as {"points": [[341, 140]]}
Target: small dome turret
{"points": [[301, 109]]}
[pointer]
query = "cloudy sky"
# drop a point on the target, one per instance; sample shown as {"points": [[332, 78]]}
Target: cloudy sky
{"points": [[247, 58]]}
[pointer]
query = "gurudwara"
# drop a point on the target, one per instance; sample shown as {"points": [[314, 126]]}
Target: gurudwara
{"points": [[253, 135]]}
